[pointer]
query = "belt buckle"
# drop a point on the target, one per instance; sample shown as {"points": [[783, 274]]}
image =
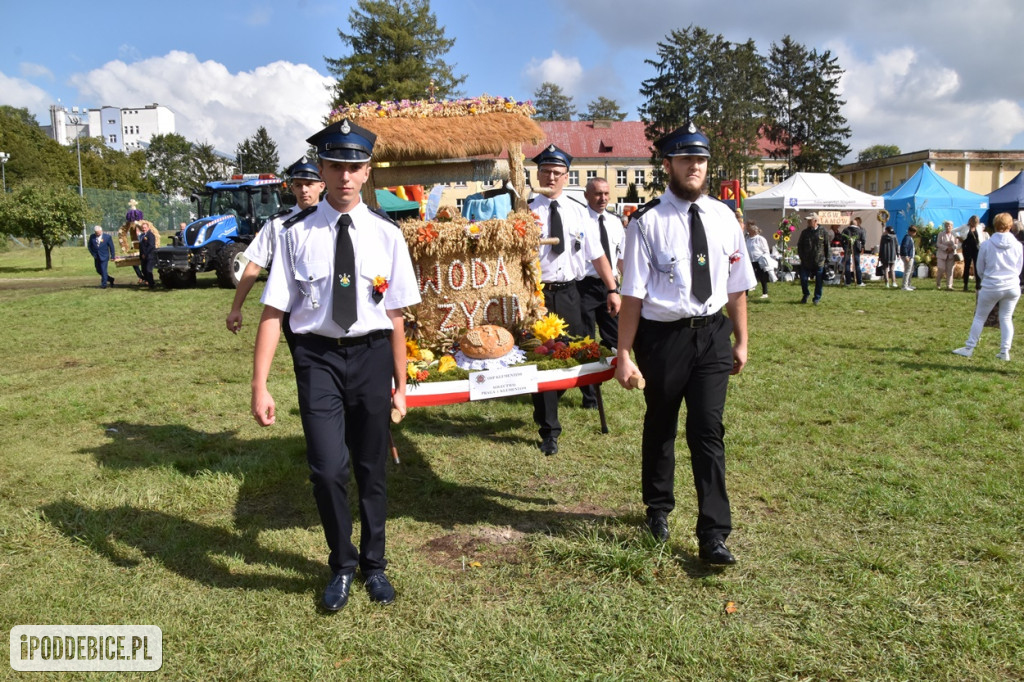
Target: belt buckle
{"points": [[698, 322]]}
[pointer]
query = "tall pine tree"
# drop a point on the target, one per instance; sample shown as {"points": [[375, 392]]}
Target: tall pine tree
{"points": [[552, 104], [258, 154], [604, 109], [397, 53], [804, 122]]}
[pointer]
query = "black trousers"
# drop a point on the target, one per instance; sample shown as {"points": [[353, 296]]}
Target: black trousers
{"points": [[147, 270], [680, 365], [562, 299], [594, 314], [971, 258], [345, 404], [762, 277]]}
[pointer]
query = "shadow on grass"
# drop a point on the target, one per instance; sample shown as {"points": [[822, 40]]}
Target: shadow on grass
{"points": [[274, 490], [192, 550]]}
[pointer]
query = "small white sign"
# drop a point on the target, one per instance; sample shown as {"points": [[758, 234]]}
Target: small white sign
{"points": [[503, 382], [86, 647]]}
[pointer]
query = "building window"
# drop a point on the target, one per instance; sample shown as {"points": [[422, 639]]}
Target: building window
{"points": [[620, 178], [459, 203], [574, 178], [871, 187], [753, 176], [528, 182], [887, 186], [640, 177], [591, 174]]}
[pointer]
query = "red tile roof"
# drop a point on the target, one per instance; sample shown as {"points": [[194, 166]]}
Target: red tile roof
{"points": [[585, 140]]}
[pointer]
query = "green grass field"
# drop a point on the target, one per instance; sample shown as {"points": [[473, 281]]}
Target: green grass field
{"points": [[877, 484]]}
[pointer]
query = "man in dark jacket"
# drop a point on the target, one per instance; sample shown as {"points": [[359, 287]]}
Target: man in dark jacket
{"points": [[812, 247], [147, 254], [852, 249]]}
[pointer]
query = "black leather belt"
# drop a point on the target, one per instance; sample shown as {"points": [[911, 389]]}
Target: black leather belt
{"points": [[690, 322], [346, 341], [555, 286]]}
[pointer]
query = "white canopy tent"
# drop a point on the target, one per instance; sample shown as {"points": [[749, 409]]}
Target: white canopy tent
{"points": [[806, 192]]}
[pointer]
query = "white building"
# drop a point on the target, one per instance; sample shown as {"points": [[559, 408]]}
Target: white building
{"points": [[125, 129]]}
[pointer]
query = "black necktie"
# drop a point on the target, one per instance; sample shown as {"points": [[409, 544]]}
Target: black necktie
{"points": [[343, 304], [604, 241], [556, 229], [700, 269]]}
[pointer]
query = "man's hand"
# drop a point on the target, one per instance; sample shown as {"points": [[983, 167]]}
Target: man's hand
{"points": [[624, 370], [614, 302], [234, 321], [739, 358], [398, 402], [263, 407]]}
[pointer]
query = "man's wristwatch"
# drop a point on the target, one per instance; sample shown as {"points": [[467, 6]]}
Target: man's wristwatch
{"points": [[614, 291]]}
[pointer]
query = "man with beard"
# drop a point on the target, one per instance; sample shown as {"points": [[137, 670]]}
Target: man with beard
{"points": [[684, 260]]}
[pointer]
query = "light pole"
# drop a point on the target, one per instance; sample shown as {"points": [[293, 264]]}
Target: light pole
{"points": [[78, 152], [4, 157]]}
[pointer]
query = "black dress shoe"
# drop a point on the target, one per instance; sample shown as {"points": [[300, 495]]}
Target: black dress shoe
{"points": [[336, 592], [379, 589], [111, 280], [658, 525], [549, 446], [715, 552]]}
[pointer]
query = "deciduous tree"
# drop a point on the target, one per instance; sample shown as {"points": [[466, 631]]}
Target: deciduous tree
{"points": [[878, 151], [47, 211]]}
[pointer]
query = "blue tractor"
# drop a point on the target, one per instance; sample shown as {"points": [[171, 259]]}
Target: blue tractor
{"points": [[230, 213]]}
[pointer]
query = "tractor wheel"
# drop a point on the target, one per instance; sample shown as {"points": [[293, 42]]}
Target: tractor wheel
{"points": [[231, 262], [176, 279]]}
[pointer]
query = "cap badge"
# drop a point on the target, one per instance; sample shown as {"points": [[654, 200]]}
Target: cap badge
{"points": [[551, 148], [345, 127], [691, 128]]}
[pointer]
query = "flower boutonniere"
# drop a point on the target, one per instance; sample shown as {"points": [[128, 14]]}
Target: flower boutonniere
{"points": [[380, 285]]}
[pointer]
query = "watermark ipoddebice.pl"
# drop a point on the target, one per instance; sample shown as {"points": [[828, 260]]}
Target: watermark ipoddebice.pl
{"points": [[86, 647]]}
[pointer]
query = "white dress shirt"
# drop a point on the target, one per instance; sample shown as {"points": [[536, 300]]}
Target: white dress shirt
{"points": [[616, 236], [301, 277], [581, 245], [261, 249], [657, 269]]}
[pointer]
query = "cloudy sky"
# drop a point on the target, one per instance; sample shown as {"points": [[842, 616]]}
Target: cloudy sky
{"points": [[941, 74]]}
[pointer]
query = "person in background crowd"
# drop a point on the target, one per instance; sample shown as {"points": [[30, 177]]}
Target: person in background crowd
{"points": [[908, 250], [305, 183], [1000, 262], [853, 247], [593, 293], [1018, 231], [945, 255], [757, 249], [101, 246], [147, 253], [973, 238], [813, 249], [888, 252], [684, 261]]}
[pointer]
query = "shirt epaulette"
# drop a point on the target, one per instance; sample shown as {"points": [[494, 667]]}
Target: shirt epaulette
{"points": [[381, 213], [298, 216], [635, 215], [534, 199], [280, 214]]}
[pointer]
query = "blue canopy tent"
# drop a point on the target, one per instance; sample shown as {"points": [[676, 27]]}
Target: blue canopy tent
{"points": [[928, 198], [1009, 199]]}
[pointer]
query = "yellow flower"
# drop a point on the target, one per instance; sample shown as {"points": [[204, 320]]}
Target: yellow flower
{"points": [[411, 370], [550, 327], [412, 350], [785, 239], [426, 356], [582, 343], [445, 364]]}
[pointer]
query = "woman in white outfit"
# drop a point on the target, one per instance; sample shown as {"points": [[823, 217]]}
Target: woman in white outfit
{"points": [[757, 251], [945, 255], [1000, 260]]}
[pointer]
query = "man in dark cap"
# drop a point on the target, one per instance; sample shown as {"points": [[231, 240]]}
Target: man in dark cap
{"points": [[684, 260], [343, 274], [561, 265], [812, 247], [305, 183]]}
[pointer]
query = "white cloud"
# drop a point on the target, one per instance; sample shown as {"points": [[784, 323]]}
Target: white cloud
{"points": [[213, 105], [21, 94], [565, 72], [30, 70]]}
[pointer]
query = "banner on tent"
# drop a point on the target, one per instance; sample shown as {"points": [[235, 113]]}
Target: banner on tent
{"points": [[832, 218]]}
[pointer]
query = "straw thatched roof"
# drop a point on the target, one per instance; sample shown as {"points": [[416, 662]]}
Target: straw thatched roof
{"points": [[455, 137]]}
